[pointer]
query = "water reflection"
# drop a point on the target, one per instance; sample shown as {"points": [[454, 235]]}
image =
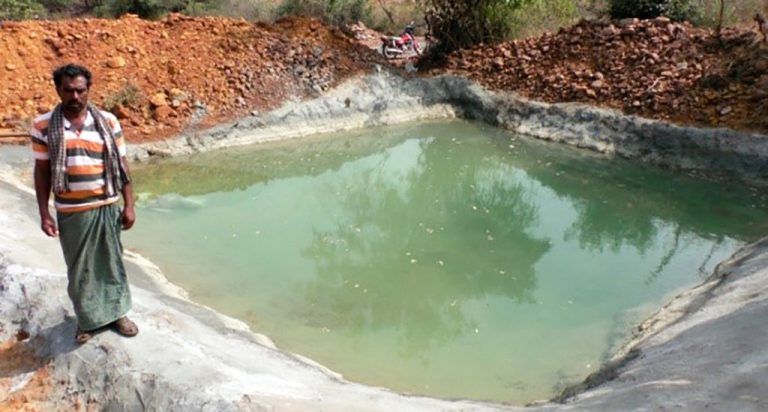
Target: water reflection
{"points": [[453, 259], [403, 246], [622, 203], [242, 167]]}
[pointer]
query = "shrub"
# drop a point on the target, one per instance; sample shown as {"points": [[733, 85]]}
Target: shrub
{"points": [[127, 96], [20, 9], [253, 10], [392, 17], [543, 15], [464, 23], [56, 6], [736, 12], [142, 8], [647, 9], [336, 12]]}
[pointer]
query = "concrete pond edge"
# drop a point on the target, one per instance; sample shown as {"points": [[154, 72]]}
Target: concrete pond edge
{"points": [[384, 98]]}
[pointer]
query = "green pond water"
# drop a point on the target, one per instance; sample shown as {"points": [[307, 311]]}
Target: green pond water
{"points": [[449, 259]]}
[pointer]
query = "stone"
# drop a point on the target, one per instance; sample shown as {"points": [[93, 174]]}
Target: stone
{"points": [[161, 113], [178, 95], [628, 22], [121, 112], [116, 62], [158, 99]]}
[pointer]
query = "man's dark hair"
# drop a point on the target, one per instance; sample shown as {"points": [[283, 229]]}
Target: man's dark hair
{"points": [[71, 70]]}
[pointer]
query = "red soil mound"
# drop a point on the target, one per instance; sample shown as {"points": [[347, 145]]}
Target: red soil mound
{"points": [[161, 77], [653, 68]]}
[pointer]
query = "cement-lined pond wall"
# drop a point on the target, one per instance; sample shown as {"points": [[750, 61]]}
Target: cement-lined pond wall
{"points": [[383, 98]]}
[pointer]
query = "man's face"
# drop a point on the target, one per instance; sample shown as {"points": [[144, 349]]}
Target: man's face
{"points": [[73, 93]]}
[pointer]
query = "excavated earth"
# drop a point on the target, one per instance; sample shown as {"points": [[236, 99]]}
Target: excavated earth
{"points": [[173, 81], [653, 68], [182, 73]]}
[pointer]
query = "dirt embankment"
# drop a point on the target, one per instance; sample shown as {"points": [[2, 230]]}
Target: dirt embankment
{"points": [[181, 73], [161, 77], [653, 68]]}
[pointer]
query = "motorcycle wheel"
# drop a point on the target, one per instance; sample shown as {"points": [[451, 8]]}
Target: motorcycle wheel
{"points": [[387, 52]]}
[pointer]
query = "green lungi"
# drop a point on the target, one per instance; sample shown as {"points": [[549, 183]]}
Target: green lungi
{"points": [[98, 286]]}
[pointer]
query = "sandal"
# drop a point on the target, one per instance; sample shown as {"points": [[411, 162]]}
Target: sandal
{"points": [[82, 336], [125, 327]]}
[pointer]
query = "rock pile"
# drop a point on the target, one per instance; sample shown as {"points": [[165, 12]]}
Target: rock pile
{"points": [[161, 77], [655, 68]]}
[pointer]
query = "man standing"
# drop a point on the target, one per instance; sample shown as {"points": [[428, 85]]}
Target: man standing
{"points": [[79, 154]]}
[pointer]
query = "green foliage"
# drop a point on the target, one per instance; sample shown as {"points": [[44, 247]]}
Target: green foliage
{"points": [[347, 11], [464, 23], [336, 12], [252, 10], [20, 9], [536, 17], [647, 9], [301, 8], [683, 10], [142, 8], [736, 12], [56, 6]]}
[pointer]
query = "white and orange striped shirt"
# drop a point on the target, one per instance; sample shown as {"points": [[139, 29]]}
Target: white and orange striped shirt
{"points": [[85, 161]]}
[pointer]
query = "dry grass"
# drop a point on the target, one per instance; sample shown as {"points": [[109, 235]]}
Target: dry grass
{"points": [[737, 13], [392, 16]]}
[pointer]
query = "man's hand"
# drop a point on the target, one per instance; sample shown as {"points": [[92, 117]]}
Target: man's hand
{"points": [[128, 217], [49, 226]]}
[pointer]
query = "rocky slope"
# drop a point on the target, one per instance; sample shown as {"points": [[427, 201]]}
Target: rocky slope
{"points": [[162, 77], [653, 68]]}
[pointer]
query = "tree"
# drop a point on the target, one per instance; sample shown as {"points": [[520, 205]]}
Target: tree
{"points": [[463, 23], [677, 10], [20, 9]]}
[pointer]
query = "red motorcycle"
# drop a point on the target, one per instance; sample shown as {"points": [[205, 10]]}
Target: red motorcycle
{"points": [[394, 46]]}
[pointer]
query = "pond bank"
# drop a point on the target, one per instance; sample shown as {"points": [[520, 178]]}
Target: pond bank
{"points": [[383, 98], [705, 348]]}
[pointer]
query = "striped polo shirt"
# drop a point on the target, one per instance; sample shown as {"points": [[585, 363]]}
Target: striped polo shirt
{"points": [[85, 161]]}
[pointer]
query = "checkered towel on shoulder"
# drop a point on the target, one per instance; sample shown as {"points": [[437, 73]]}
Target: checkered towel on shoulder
{"points": [[114, 169]]}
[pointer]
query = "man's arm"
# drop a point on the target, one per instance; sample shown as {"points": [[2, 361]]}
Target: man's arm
{"points": [[43, 194], [129, 215]]}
